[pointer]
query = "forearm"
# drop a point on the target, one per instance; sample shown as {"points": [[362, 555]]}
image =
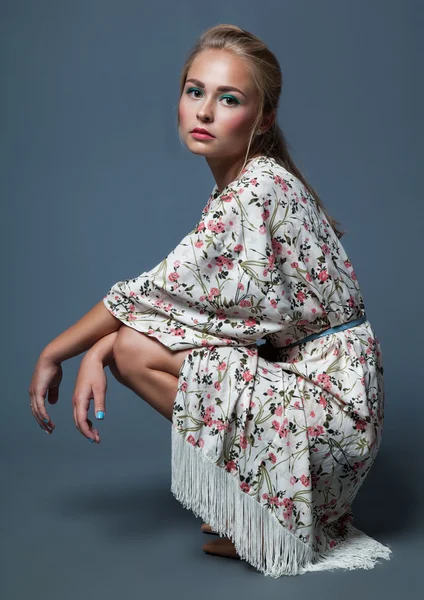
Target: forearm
{"points": [[81, 336], [103, 348]]}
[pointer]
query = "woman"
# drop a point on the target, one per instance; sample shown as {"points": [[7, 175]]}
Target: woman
{"points": [[270, 443]]}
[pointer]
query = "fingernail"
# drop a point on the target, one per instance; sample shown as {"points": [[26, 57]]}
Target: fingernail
{"points": [[100, 414], [46, 420], [92, 441]]}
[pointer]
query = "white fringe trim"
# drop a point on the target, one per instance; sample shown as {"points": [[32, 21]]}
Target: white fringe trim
{"points": [[213, 494]]}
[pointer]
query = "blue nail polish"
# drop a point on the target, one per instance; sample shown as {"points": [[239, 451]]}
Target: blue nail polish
{"points": [[92, 441], [46, 420], [100, 414]]}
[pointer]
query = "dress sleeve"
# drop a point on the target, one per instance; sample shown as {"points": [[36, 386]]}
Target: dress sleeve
{"points": [[216, 279]]}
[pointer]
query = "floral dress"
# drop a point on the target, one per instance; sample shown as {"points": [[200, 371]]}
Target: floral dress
{"points": [[270, 443]]}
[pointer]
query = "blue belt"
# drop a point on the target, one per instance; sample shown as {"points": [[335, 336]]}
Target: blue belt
{"points": [[327, 331]]}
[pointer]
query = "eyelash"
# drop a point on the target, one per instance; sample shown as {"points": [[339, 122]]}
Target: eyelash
{"points": [[226, 97]]}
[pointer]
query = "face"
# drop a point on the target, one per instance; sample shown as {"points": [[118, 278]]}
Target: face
{"points": [[226, 114]]}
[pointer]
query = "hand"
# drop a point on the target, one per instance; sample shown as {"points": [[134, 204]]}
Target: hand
{"points": [[91, 383], [46, 378]]}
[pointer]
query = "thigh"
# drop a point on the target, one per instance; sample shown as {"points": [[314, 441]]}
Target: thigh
{"points": [[133, 348]]}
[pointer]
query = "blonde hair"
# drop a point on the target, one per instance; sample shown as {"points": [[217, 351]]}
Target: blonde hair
{"points": [[267, 77]]}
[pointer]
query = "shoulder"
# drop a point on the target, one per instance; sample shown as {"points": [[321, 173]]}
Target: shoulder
{"points": [[267, 178]]}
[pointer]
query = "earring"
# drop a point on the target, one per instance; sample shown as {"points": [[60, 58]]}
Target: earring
{"points": [[258, 132]]}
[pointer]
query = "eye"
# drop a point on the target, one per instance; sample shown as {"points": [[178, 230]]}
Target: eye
{"points": [[193, 90], [235, 101]]}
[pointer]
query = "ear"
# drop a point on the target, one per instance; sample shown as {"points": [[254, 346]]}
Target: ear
{"points": [[268, 121]]}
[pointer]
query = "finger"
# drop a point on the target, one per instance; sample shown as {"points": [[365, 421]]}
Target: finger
{"points": [[53, 395], [94, 431], [40, 414], [82, 405], [99, 403]]}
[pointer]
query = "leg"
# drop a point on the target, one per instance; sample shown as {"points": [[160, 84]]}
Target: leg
{"points": [[148, 368], [151, 370]]}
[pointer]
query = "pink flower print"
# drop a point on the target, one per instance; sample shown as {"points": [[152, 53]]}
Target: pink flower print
{"points": [[254, 181], [272, 457], [292, 480], [336, 352], [198, 244], [288, 503], [245, 486], [195, 321], [273, 500], [358, 465], [191, 440], [243, 441], [297, 405], [325, 249], [132, 294], [308, 277], [200, 226], [231, 466], [265, 215], [245, 303], [116, 297], [273, 303], [184, 386], [315, 431], [324, 378], [132, 308], [264, 370], [217, 385], [247, 375], [262, 229], [276, 246], [251, 352], [312, 414], [294, 265], [347, 264], [265, 272], [252, 404], [301, 297], [278, 411], [132, 317], [221, 314], [322, 401], [265, 496], [211, 225], [323, 275], [250, 322], [271, 261], [173, 276], [222, 366], [304, 480], [240, 286], [219, 227], [353, 275], [201, 442], [314, 310], [177, 263], [238, 248], [213, 292], [351, 301], [361, 425], [270, 392], [280, 429], [204, 343], [362, 360]]}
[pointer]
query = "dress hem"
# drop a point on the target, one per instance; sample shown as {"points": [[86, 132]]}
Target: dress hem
{"points": [[213, 494]]}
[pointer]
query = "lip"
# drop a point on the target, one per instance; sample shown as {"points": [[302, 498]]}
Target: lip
{"points": [[201, 134]]}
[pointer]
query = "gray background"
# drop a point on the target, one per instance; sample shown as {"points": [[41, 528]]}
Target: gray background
{"points": [[96, 187]]}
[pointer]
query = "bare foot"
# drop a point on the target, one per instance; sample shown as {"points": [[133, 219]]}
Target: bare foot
{"points": [[223, 546]]}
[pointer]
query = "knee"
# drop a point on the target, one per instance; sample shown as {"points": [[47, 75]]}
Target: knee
{"points": [[125, 350]]}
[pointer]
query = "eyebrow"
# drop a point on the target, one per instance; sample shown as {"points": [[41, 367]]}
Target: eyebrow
{"points": [[221, 88]]}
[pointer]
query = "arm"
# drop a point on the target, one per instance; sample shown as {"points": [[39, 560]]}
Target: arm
{"points": [[96, 324]]}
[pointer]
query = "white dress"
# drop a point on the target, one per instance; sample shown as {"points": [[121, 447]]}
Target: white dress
{"points": [[269, 452]]}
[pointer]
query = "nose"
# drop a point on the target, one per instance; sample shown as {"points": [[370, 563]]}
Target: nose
{"points": [[205, 112]]}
